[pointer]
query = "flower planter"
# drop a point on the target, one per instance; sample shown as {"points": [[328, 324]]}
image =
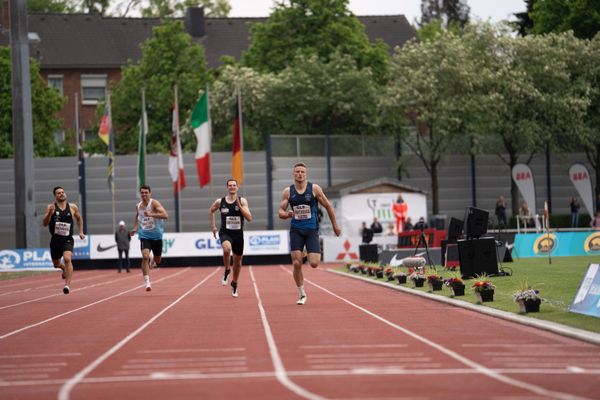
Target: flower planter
{"points": [[484, 296], [401, 279], [390, 277], [379, 274], [457, 289], [527, 306], [435, 285], [418, 282]]}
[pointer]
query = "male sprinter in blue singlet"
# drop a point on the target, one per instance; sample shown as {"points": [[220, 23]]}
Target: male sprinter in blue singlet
{"points": [[59, 219], [148, 223], [303, 196], [234, 210]]}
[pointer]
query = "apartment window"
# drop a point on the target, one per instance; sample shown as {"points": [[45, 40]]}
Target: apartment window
{"points": [[56, 82], [93, 88], [59, 136]]}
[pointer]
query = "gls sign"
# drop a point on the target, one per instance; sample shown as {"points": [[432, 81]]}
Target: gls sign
{"points": [[203, 244]]}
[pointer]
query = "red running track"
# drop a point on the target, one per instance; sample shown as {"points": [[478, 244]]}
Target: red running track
{"points": [[189, 339]]}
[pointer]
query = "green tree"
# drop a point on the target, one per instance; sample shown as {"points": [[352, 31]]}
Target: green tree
{"points": [[433, 86], [580, 16], [50, 6], [169, 57], [524, 24], [175, 8], [46, 103], [313, 27], [450, 12]]}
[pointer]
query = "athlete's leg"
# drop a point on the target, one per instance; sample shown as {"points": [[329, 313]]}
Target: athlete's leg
{"points": [[145, 262], [237, 266], [226, 245], [314, 259], [297, 264], [67, 256]]}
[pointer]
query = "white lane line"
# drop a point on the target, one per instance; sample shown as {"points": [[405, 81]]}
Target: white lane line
{"points": [[304, 373], [84, 307], [470, 363], [60, 294], [66, 389], [175, 360], [517, 345], [56, 283], [184, 365], [280, 372], [49, 364], [367, 355], [204, 350], [351, 346], [40, 355], [367, 360]]}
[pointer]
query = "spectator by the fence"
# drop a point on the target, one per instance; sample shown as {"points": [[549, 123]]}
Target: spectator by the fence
{"points": [[408, 225], [390, 230], [122, 237], [376, 226], [595, 222], [574, 212], [501, 211], [525, 215]]}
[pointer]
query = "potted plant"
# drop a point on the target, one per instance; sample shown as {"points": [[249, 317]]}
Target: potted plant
{"points": [[456, 285], [417, 277], [484, 289], [400, 276], [389, 273], [378, 271], [527, 298], [435, 282]]}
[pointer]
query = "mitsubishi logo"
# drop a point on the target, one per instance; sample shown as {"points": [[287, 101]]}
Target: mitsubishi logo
{"points": [[343, 255]]}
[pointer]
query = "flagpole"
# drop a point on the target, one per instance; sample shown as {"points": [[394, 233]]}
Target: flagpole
{"points": [[142, 176], [111, 149], [80, 164], [241, 122], [547, 215], [210, 185], [178, 146]]}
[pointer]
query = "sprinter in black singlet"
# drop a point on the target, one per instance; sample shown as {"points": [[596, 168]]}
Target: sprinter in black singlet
{"points": [[234, 210], [59, 219], [304, 197]]}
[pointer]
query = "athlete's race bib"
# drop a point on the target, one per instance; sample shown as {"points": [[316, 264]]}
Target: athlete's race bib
{"points": [[147, 223], [233, 223], [62, 228], [302, 211]]}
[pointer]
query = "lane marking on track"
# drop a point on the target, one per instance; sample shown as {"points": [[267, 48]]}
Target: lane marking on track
{"points": [[54, 284], [68, 386], [187, 359], [41, 355], [517, 345], [62, 294], [84, 307], [351, 346], [280, 372], [306, 373], [202, 350], [470, 363]]}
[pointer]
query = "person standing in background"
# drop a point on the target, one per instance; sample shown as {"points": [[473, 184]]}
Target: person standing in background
{"points": [[122, 237]]}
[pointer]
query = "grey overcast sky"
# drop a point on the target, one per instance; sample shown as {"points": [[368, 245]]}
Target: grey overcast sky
{"points": [[494, 10]]}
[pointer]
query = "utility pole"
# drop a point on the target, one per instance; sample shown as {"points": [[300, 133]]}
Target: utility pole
{"points": [[26, 227]]}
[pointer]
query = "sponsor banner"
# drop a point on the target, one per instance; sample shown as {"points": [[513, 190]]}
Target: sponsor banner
{"points": [[394, 257], [557, 244], [195, 244], [81, 250], [587, 299], [580, 177], [25, 259], [523, 177], [359, 208], [347, 248]]}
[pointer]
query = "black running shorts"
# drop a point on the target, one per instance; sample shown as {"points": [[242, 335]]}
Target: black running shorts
{"points": [[155, 245], [236, 240], [60, 244], [305, 237]]}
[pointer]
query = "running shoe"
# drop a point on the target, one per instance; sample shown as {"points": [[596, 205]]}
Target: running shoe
{"points": [[225, 275], [302, 300], [148, 287], [66, 290], [234, 291], [153, 264]]}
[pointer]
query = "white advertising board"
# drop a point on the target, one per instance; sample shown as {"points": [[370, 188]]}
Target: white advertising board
{"points": [[347, 248], [195, 244]]}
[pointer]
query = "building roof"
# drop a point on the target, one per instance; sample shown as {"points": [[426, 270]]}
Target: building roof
{"points": [[94, 41], [379, 185]]}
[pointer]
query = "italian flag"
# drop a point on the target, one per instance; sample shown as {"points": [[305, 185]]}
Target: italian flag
{"points": [[237, 154], [200, 123]]}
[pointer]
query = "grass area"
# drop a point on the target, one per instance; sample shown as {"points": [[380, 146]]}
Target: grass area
{"points": [[557, 283], [20, 274]]}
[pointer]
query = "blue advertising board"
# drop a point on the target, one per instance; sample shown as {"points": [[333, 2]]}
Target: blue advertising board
{"points": [[587, 299], [38, 258], [556, 244]]}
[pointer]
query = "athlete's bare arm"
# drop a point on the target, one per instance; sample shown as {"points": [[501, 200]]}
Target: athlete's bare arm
{"points": [[285, 202], [158, 211], [48, 215], [324, 201], [134, 230], [244, 209], [211, 216], [75, 212]]}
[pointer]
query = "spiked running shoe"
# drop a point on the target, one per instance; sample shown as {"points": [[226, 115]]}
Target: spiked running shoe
{"points": [[234, 289], [66, 290], [148, 287], [302, 300], [225, 275]]}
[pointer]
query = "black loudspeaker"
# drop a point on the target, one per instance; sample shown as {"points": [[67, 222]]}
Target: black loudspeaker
{"points": [[477, 257], [368, 252], [455, 229], [476, 222]]}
